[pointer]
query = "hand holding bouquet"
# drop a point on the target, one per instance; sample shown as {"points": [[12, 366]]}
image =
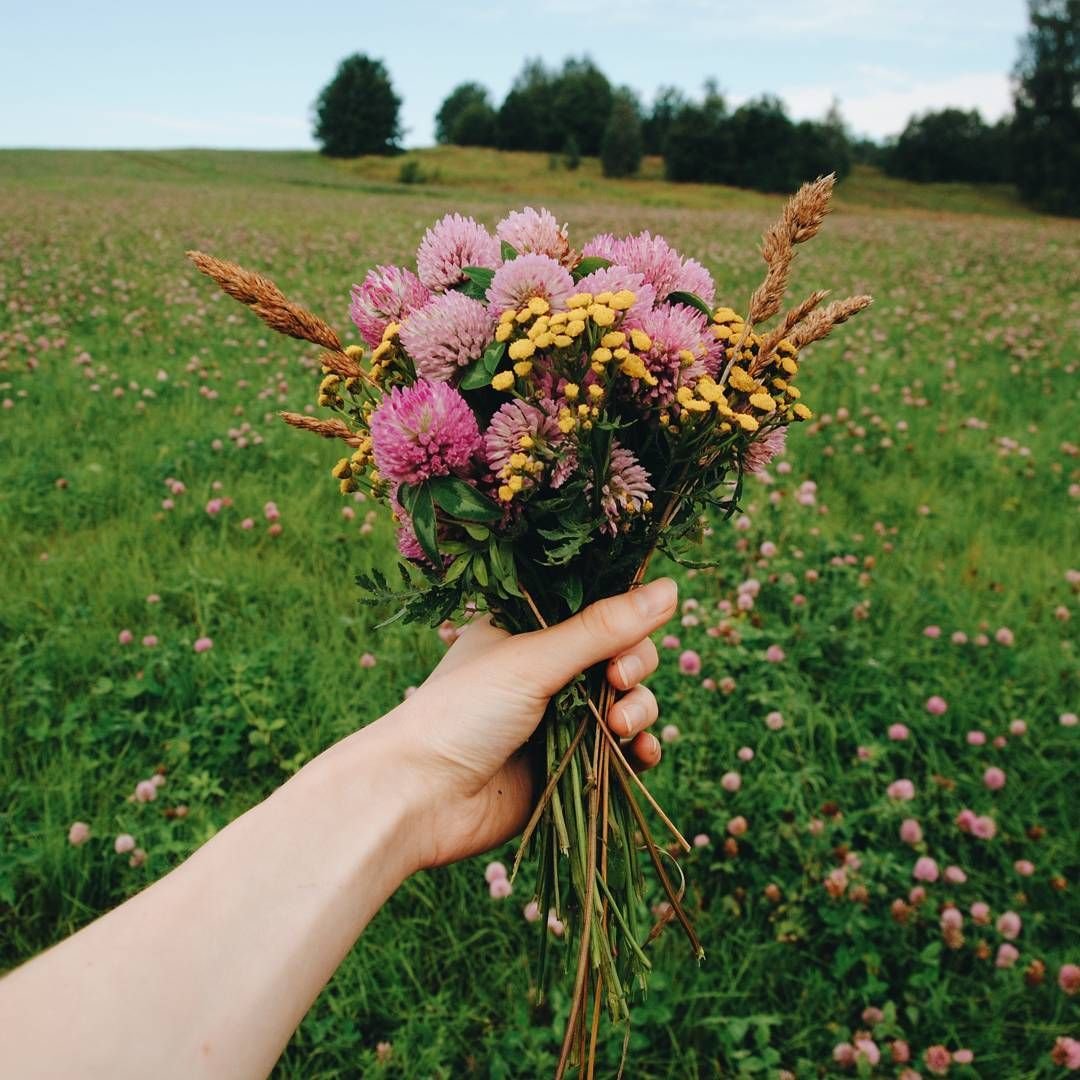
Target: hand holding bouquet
{"points": [[541, 421]]}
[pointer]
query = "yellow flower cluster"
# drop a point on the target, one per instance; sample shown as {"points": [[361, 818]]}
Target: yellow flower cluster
{"points": [[385, 352], [535, 328], [771, 391], [519, 470], [348, 469]]}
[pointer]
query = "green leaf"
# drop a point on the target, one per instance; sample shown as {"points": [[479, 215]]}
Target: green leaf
{"points": [[509, 252], [690, 300], [479, 374], [587, 266], [571, 590], [424, 523], [462, 501], [480, 570], [457, 568], [479, 275], [477, 532]]}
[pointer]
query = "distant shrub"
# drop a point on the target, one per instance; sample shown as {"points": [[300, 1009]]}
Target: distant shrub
{"points": [[571, 153]]}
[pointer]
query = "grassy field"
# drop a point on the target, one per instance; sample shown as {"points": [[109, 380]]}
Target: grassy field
{"points": [[938, 488]]}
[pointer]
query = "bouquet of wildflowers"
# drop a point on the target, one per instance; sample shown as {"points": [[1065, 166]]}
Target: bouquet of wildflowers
{"points": [[541, 420]]}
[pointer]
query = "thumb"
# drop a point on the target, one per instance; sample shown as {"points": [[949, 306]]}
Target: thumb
{"points": [[547, 660]]}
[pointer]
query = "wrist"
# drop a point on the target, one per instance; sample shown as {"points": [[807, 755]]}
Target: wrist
{"points": [[362, 797]]}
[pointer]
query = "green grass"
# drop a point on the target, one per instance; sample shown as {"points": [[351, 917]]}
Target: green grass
{"points": [[975, 320]]}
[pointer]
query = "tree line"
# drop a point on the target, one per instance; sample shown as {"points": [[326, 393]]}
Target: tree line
{"points": [[575, 110]]}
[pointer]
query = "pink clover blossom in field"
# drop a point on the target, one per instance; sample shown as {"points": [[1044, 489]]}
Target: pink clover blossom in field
{"points": [[902, 790], [1068, 978], [1009, 925], [1007, 955], [731, 781], [689, 662], [1066, 1052], [937, 1059], [124, 843], [79, 833], [926, 869], [936, 705]]}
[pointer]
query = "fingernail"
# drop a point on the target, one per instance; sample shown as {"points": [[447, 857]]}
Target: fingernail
{"points": [[633, 715], [656, 598], [630, 669]]}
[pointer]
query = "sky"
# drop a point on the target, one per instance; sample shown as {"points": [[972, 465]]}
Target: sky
{"points": [[116, 74]]}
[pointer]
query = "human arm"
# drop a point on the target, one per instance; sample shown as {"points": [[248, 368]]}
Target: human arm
{"points": [[207, 972]]}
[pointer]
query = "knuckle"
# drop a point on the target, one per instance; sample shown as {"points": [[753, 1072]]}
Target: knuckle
{"points": [[602, 619]]}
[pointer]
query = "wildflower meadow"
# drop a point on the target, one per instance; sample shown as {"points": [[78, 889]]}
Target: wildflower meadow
{"points": [[869, 709]]}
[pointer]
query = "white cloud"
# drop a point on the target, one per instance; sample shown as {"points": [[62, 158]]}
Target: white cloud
{"points": [[890, 99]]}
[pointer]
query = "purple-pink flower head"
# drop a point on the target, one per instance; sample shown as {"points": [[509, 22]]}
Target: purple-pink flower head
{"points": [[518, 281], [675, 331], [626, 490], [617, 278], [534, 232], [421, 431], [763, 449], [449, 246], [602, 246], [517, 421], [651, 256], [407, 544], [446, 334], [695, 278], [387, 295]]}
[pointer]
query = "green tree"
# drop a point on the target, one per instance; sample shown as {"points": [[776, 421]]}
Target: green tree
{"points": [[357, 111], [945, 146], [666, 105], [698, 145], [622, 145], [581, 103], [466, 117], [1046, 129], [524, 120]]}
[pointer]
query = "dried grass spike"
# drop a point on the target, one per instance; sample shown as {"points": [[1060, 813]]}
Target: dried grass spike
{"points": [[791, 319], [820, 323], [342, 364], [799, 221], [267, 301], [327, 429]]}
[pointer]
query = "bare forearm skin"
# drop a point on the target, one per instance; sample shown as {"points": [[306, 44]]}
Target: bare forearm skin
{"points": [[207, 972]]}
